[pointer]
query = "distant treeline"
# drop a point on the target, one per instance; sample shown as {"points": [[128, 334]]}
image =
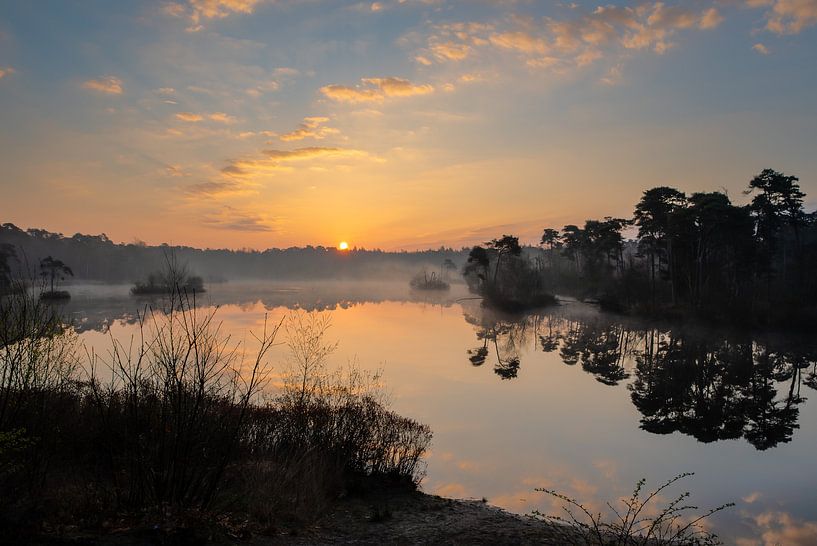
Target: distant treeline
{"points": [[97, 258], [698, 253]]}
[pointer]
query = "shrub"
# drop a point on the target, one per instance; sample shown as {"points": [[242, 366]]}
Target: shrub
{"points": [[632, 526], [174, 423]]}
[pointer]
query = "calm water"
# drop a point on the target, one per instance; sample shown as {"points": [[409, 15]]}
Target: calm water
{"points": [[569, 399]]}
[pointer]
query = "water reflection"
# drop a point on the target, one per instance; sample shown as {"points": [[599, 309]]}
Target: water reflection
{"points": [[98, 307], [548, 399], [708, 385]]}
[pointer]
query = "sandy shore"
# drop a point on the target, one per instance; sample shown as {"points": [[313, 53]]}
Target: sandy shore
{"points": [[416, 518], [389, 517]]}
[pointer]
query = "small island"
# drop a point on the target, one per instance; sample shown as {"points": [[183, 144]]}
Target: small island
{"points": [[174, 277], [434, 281], [53, 271]]}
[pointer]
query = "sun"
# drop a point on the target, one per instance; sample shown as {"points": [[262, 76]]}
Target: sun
{"points": [[343, 245]]}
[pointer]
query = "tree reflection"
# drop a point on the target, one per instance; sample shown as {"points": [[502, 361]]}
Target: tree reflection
{"points": [[506, 337], [711, 386]]}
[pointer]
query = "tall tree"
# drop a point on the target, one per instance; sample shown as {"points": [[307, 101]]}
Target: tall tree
{"points": [[553, 240], [777, 204], [572, 244], [507, 245], [652, 216], [603, 242]]}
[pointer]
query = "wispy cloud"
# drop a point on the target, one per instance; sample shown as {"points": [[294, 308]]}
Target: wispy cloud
{"points": [[221, 188], [451, 51], [221, 117], [189, 117], [279, 160], [375, 90], [760, 48], [6, 71], [105, 84], [234, 219], [218, 117], [311, 127]]}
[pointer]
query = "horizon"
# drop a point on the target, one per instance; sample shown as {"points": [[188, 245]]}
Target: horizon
{"points": [[399, 125]]}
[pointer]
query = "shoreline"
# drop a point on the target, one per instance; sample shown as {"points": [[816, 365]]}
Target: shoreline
{"points": [[384, 516]]}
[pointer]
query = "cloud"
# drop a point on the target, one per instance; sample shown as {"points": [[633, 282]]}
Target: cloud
{"points": [[711, 18], [280, 160], [519, 41], [189, 116], [105, 84], [751, 497], [398, 87], [791, 16], [233, 219], [6, 71], [577, 40], [220, 188], [451, 51], [782, 528], [760, 48], [343, 93], [375, 90], [266, 87], [219, 117], [198, 10], [312, 152], [311, 127]]}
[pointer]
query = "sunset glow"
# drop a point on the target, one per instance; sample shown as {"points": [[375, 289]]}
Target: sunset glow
{"points": [[411, 124], [528, 252]]}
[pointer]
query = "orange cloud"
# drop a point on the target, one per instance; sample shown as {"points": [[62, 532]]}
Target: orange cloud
{"points": [[6, 71], [311, 127], [760, 48], [219, 117], [189, 116], [277, 160], [375, 90], [792, 16], [210, 9], [106, 84], [520, 41], [450, 51], [578, 40]]}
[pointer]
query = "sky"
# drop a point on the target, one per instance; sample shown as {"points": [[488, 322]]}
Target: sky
{"points": [[396, 124]]}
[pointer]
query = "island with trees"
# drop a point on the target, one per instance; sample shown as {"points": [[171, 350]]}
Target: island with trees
{"points": [[690, 255]]}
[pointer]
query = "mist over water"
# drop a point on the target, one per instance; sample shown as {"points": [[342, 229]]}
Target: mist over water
{"points": [[565, 398]]}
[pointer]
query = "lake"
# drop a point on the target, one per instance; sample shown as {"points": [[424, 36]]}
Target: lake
{"points": [[568, 398]]}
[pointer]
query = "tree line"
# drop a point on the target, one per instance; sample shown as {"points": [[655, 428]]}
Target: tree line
{"points": [[98, 258], [697, 253]]}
